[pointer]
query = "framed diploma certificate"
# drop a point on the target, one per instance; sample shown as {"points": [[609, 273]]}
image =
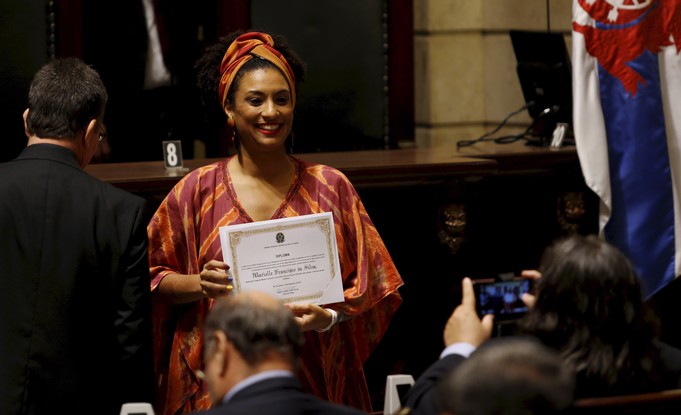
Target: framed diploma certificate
{"points": [[294, 259]]}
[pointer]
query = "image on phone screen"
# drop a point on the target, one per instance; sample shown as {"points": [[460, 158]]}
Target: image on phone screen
{"points": [[501, 298]]}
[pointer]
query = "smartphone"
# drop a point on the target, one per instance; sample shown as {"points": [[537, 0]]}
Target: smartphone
{"points": [[501, 298]]}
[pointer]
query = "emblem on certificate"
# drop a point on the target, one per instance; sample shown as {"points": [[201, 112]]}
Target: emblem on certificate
{"points": [[294, 259]]}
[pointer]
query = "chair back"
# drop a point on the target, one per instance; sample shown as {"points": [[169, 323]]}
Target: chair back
{"points": [[392, 402], [137, 408]]}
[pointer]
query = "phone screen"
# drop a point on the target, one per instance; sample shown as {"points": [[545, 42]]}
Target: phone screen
{"points": [[501, 298]]}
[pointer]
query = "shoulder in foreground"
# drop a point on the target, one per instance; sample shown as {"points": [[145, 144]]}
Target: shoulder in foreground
{"points": [[113, 193]]}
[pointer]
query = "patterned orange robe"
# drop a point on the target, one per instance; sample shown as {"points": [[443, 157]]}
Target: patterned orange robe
{"points": [[183, 235]]}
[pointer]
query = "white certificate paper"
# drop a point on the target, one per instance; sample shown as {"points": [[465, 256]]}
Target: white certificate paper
{"points": [[294, 259]]}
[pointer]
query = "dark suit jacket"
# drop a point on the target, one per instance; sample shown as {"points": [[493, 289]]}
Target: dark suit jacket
{"points": [[671, 359], [75, 323], [279, 396], [420, 397]]}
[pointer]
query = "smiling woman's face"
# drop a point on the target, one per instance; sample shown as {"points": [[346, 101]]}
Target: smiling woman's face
{"points": [[263, 110]]}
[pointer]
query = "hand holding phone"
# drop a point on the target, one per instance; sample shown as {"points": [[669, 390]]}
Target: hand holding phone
{"points": [[531, 274], [464, 325]]}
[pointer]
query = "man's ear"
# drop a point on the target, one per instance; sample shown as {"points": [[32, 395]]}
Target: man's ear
{"points": [[92, 133], [26, 130], [223, 350]]}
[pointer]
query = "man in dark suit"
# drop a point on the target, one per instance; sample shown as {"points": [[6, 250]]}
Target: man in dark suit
{"points": [[75, 299], [251, 351], [463, 333], [515, 375], [477, 376]]}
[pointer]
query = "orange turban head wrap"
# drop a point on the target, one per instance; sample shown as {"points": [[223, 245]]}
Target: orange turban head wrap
{"points": [[243, 49]]}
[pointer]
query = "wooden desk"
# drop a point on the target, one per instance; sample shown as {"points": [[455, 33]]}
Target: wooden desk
{"points": [[363, 168], [372, 166], [520, 158]]}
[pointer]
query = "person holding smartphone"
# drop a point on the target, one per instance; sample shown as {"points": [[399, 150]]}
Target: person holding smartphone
{"points": [[464, 332], [589, 307]]}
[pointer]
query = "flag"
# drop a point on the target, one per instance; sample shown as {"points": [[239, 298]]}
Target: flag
{"points": [[627, 125]]}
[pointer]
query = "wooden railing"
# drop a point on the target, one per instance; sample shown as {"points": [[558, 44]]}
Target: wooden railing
{"points": [[657, 403]]}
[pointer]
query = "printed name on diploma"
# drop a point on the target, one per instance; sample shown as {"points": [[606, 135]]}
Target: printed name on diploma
{"points": [[294, 259]]}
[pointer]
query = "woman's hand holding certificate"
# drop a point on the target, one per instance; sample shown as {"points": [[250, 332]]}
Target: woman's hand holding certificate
{"points": [[215, 280], [313, 317]]}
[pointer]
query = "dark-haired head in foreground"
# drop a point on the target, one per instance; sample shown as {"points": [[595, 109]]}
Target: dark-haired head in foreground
{"points": [[589, 307], [515, 377]]}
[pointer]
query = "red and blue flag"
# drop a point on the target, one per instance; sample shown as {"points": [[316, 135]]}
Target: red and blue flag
{"points": [[627, 124]]}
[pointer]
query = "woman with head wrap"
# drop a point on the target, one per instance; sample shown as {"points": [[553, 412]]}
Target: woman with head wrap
{"points": [[253, 77]]}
